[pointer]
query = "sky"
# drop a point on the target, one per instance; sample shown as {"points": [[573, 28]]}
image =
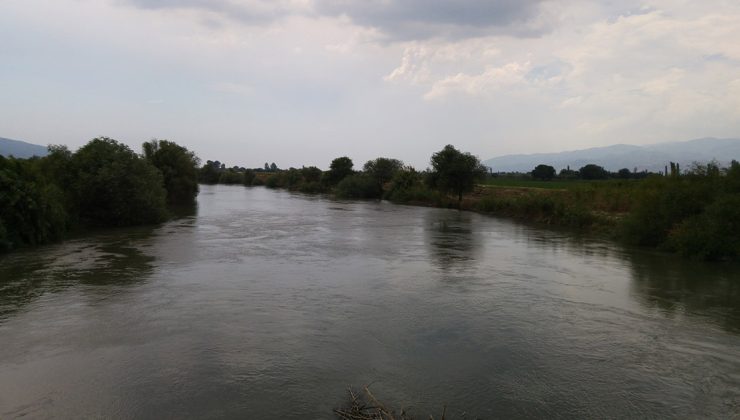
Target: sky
{"points": [[300, 82]]}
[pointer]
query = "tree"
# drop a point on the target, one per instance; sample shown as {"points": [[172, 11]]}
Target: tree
{"points": [[210, 172], [455, 171], [382, 170], [179, 168], [592, 171], [624, 173], [339, 169], [543, 172], [32, 209], [311, 174], [273, 167], [115, 187]]}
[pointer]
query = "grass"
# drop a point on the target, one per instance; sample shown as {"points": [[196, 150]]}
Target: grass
{"points": [[531, 183]]}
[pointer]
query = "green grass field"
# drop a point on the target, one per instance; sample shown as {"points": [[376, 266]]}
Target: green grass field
{"points": [[531, 183]]}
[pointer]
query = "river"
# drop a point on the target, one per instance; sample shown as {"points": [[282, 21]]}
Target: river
{"points": [[268, 305]]}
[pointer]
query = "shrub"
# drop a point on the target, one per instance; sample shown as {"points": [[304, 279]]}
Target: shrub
{"points": [[357, 186]]}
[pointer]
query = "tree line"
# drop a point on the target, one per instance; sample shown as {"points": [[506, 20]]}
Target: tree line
{"points": [[590, 172], [103, 183], [452, 172]]}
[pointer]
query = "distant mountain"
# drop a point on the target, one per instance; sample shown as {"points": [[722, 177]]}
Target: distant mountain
{"points": [[652, 157], [20, 149]]}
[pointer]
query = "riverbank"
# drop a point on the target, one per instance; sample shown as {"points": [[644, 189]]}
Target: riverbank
{"points": [[696, 215]]}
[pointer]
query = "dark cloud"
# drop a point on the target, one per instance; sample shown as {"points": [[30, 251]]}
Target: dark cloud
{"points": [[419, 19], [395, 19], [249, 11]]}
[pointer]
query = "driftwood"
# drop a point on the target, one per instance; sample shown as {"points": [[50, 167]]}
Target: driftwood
{"points": [[367, 407]]}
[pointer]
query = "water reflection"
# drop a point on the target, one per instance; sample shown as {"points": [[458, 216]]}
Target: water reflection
{"points": [[112, 258], [451, 239], [677, 287]]}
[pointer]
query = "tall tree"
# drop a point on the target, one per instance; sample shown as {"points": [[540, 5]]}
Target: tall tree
{"points": [[178, 166], [339, 169], [116, 187], [592, 171], [543, 172], [382, 170], [455, 171]]}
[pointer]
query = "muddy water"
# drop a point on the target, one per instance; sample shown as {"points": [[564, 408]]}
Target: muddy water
{"points": [[267, 304]]}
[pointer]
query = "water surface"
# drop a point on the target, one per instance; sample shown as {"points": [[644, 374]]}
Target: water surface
{"points": [[267, 304]]}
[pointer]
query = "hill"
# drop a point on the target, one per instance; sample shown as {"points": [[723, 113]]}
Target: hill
{"points": [[651, 157], [20, 149]]}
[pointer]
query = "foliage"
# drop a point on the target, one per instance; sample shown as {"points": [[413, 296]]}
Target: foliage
{"points": [[543, 172], [358, 186], [339, 169], [31, 209], [455, 171], [249, 176], [382, 170], [231, 176], [311, 174], [115, 187], [592, 171], [544, 207], [624, 173], [210, 172], [179, 168], [696, 214]]}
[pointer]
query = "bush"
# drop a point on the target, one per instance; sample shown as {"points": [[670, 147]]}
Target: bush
{"points": [[662, 203], [357, 186], [712, 235], [249, 177], [273, 181]]}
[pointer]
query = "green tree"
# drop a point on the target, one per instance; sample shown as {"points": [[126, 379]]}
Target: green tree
{"points": [[624, 173], [32, 209], [178, 166], [592, 171], [115, 187], [382, 170], [455, 171], [210, 172], [339, 169], [543, 172], [311, 174]]}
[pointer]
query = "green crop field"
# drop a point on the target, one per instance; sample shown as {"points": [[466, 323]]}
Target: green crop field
{"points": [[531, 183]]}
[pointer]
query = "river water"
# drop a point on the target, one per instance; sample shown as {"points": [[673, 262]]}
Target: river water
{"points": [[268, 305]]}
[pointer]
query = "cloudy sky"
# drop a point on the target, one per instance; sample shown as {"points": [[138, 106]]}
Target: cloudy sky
{"points": [[299, 82]]}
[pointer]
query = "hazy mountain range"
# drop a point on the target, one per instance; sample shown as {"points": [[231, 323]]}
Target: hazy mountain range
{"points": [[652, 157], [20, 149]]}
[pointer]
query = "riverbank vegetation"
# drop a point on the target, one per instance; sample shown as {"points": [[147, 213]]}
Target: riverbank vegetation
{"points": [[694, 212], [104, 183]]}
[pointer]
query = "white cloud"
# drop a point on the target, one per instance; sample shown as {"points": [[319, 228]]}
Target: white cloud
{"points": [[301, 79]]}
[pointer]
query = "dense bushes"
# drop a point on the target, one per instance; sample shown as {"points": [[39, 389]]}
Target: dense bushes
{"points": [[697, 214], [104, 183], [358, 186], [113, 186], [179, 168], [544, 207], [31, 209]]}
